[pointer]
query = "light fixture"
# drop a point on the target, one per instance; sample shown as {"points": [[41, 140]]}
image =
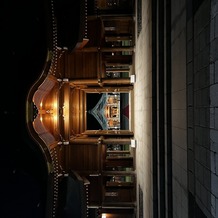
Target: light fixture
{"points": [[132, 79], [133, 143]]}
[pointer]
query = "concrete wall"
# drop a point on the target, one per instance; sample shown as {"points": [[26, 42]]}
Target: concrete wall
{"points": [[142, 108], [202, 47], [214, 106], [179, 118], [194, 47]]}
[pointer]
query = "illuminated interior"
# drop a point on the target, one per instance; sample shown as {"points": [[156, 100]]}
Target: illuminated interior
{"points": [[51, 100]]}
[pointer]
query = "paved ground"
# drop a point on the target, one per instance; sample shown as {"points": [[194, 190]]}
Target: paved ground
{"points": [[142, 110]]}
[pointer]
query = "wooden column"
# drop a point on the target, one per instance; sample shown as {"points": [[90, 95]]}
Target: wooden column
{"points": [[104, 89], [99, 140], [117, 17], [106, 49], [100, 81], [117, 70], [108, 132], [118, 59], [118, 38]]}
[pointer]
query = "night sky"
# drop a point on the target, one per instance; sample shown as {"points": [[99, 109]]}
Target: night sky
{"points": [[23, 49]]}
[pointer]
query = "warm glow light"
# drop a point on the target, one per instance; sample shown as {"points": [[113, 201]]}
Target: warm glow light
{"points": [[66, 108], [55, 111], [55, 105], [103, 216], [52, 111]]}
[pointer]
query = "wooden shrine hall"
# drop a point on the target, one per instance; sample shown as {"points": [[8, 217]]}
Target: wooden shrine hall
{"points": [[79, 110], [109, 109]]}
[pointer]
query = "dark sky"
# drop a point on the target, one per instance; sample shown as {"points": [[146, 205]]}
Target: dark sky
{"points": [[23, 49]]}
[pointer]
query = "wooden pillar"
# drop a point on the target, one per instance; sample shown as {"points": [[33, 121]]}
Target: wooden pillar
{"points": [[117, 17], [117, 70], [101, 82], [84, 141], [118, 38], [114, 64], [104, 89], [108, 132], [99, 140], [118, 59], [106, 49]]}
